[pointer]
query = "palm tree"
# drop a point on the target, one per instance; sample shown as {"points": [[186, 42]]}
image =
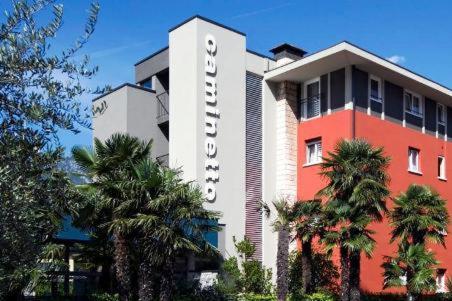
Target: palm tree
{"points": [[106, 165], [173, 221], [282, 225], [309, 223], [356, 193], [419, 215], [412, 268]]}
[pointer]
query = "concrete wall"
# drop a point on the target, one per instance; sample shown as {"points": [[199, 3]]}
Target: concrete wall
{"points": [[188, 112], [258, 64], [154, 64], [111, 114], [130, 110], [269, 237]]}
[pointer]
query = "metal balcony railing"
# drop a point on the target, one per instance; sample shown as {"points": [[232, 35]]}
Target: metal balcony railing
{"points": [[310, 107], [162, 107], [163, 160]]}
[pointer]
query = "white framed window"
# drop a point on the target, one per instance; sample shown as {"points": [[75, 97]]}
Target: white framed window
{"points": [[441, 281], [441, 168], [413, 103], [310, 105], [403, 279], [413, 160], [313, 152], [375, 93], [441, 114]]}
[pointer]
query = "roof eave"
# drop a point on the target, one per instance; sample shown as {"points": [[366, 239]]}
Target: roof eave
{"points": [[273, 74]]}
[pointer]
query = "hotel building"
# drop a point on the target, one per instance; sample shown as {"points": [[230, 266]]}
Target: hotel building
{"points": [[247, 127]]}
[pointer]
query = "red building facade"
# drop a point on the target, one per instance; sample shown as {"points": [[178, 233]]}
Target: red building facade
{"points": [[415, 136]]}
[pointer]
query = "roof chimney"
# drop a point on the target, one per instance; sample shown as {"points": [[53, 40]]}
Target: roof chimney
{"points": [[286, 53]]}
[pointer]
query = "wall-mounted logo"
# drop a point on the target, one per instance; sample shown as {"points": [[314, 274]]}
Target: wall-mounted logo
{"points": [[211, 118]]}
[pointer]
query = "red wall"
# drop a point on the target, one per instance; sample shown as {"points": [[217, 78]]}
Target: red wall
{"points": [[396, 140]]}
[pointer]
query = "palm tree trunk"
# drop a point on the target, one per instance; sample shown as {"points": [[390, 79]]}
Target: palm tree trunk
{"points": [[409, 295], [345, 274], [122, 267], [145, 283], [282, 264], [306, 264], [355, 270], [167, 281]]}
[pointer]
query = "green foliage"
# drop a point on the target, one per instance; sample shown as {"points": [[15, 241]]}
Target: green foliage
{"points": [[284, 217], [191, 291], [415, 262], [318, 297], [401, 297], [32, 211], [230, 279], [322, 266], [40, 90], [153, 215], [103, 297], [256, 278], [309, 219], [383, 296], [251, 277], [419, 215], [356, 192], [257, 297], [357, 188], [39, 96], [245, 248]]}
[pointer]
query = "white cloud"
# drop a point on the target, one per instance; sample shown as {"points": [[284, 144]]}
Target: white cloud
{"points": [[397, 59], [261, 11], [118, 49]]}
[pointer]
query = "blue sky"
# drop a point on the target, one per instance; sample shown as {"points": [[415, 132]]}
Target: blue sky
{"points": [[416, 33]]}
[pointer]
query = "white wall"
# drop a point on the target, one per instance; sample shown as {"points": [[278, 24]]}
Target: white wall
{"points": [[270, 238], [133, 111], [187, 113]]}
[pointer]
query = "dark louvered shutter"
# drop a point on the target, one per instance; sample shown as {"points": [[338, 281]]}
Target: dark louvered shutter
{"points": [[253, 223]]}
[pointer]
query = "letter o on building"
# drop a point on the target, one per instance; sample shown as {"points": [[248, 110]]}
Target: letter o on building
{"points": [[210, 192]]}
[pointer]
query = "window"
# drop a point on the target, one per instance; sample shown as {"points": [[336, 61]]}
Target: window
{"points": [[403, 279], [375, 89], [147, 83], [413, 160], [310, 106], [441, 281], [314, 152], [441, 114], [413, 103], [441, 167]]}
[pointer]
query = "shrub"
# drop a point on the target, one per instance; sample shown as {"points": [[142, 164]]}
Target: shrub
{"points": [[229, 280], [323, 266], [402, 297], [192, 291], [256, 278], [320, 297], [257, 297], [383, 296], [250, 278], [103, 297]]}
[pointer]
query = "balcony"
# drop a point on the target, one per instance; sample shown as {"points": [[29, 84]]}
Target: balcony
{"points": [[163, 160], [310, 107], [162, 108]]}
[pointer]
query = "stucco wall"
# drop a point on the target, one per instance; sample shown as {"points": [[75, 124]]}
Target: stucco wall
{"points": [[133, 111], [187, 117]]}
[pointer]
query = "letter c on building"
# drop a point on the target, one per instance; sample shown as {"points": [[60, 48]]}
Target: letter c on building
{"points": [[211, 44]]}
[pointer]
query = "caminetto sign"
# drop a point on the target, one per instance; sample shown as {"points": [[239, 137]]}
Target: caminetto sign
{"points": [[212, 114]]}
